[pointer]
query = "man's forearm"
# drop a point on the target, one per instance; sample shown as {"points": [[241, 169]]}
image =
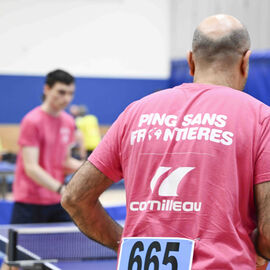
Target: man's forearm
{"points": [[96, 224], [80, 200], [40, 176]]}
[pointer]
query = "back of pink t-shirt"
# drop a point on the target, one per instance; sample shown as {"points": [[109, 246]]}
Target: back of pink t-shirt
{"points": [[53, 136], [190, 157]]}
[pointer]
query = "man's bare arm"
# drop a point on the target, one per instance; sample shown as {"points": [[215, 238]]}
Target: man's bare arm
{"points": [[262, 200], [35, 171], [80, 200]]}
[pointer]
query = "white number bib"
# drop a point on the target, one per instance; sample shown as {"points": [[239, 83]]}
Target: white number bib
{"points": [[155, 253]]}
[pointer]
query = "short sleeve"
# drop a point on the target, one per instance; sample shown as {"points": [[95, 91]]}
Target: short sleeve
{"points": [[29, 135], [262, 165], [107, 156]]}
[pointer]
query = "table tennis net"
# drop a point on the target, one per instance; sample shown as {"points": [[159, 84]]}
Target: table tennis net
{"points": [[65, 244]]}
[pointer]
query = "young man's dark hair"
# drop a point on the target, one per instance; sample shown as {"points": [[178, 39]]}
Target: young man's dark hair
{"points": [[59, 75]]}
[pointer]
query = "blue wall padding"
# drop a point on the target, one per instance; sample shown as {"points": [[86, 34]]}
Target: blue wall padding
{"points": [[258, 83], [116, 212], [179, 73], [105, 97], [18, 95], [5, 211]]}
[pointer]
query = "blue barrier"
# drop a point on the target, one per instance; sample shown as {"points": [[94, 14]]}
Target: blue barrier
{"points": [[105, 97], [1, 258], [116, 212], [5, 211]]}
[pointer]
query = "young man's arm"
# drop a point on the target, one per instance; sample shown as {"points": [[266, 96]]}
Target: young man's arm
{"points": [[33, 170], [262, 200], [80, 200]]}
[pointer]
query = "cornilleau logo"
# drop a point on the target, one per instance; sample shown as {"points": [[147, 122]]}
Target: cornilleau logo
{"points": [[170, 184], [168, 187]]}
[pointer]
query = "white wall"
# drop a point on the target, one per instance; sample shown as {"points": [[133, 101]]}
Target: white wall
{"points": [[112, 38], [97, 38], [186, 15]]}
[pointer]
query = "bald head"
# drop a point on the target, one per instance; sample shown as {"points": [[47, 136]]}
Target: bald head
{"points": [[220, 39]]}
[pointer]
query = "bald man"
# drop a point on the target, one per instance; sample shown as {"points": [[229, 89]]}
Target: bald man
{"points": [[195, 159]]}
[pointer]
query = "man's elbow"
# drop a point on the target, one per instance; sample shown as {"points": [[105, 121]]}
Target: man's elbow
{"points": [[68, 200], [30, 170]]}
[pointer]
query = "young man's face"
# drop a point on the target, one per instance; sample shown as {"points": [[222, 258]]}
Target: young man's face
{"points": [[59, 95]]}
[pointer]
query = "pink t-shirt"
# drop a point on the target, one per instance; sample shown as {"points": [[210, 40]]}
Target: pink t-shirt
{"points": [[190, 157], [53, 136]]}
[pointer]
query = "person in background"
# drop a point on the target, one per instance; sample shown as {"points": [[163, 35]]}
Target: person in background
{"points": [[46, 134], [78, 150], [87, 125], [195, 160]]}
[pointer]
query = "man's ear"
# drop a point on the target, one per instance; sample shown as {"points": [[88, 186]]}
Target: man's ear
{"points": [[191, 63], [245, 63], [46, 89]]}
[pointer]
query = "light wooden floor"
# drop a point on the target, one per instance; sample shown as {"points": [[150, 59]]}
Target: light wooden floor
{"points": [[113, 197]]}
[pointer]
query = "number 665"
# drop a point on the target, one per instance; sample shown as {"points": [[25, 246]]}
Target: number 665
{"points": [[153, 259]]}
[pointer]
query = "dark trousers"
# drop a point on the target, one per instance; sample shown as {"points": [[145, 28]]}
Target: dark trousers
{"points": [[32, 213]]}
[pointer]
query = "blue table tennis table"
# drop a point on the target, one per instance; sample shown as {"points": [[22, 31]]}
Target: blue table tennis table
{"points": [[71, 246], [40, 242]]}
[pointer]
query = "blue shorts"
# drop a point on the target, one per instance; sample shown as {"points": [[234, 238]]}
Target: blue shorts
{"points": [[32, 213]]}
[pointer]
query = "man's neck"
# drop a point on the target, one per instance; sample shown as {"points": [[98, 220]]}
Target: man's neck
{"points": [[48, 109], [215, 79]]}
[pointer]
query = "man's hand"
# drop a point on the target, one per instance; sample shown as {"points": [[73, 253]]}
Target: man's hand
{"points": [[262, 234], [62, 191], [71, 164], [261, 263]]}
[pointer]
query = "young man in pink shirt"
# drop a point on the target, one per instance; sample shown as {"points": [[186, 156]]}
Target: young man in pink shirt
{"points": [[46, 134], [196, 165]]}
